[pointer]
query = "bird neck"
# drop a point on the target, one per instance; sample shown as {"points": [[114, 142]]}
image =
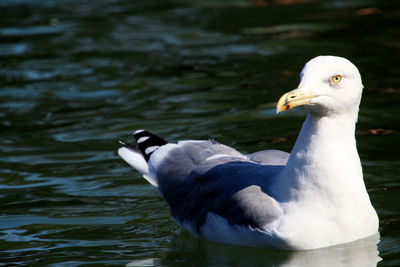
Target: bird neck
{"points": [[324, 162]]}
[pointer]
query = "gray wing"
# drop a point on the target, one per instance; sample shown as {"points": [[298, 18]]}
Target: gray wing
{"points": [[201, 177], [269, 157]]}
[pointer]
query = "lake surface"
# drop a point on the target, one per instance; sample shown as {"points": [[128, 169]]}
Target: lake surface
{"points": [[76, 76]]}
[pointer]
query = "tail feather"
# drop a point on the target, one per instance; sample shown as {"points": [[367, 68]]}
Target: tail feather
{"points": [[134, 158]]}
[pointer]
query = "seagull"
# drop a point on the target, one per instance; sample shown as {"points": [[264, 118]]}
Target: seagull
{"points": [[313, 197]]}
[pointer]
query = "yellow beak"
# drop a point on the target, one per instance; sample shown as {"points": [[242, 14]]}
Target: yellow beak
{"points": [[294, 98]]}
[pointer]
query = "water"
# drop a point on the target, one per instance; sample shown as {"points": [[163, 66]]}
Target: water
{"points": [[77, 76]]}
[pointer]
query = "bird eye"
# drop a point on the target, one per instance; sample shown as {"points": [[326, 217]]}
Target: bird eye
{"points": [[336, 78]]}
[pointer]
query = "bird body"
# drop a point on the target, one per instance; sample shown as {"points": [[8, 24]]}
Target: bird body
{"points": [[315, 197]]}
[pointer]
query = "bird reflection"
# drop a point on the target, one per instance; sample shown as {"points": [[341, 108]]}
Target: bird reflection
{"points": [[185, 249]]}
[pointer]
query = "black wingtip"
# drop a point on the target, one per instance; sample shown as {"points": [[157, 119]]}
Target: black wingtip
{"points": [[148, 142]]}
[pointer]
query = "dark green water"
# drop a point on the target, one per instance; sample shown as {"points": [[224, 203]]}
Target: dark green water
{"points": [[76, 76]]}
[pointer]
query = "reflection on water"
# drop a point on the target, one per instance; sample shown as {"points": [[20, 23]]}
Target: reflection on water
{"points": [[189, 250], [76, 76]]}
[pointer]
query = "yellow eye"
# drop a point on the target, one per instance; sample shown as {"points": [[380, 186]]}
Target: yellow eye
{"points": [[336, 78]]}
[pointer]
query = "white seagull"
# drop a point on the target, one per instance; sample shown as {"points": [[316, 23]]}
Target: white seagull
{"points": [[313, 197]]}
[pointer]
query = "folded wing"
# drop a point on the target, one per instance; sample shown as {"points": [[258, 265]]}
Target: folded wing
{"points": [[199, 177]]}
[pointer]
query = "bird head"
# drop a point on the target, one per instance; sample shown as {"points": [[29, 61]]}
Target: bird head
{"points": [[328, 85]]}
